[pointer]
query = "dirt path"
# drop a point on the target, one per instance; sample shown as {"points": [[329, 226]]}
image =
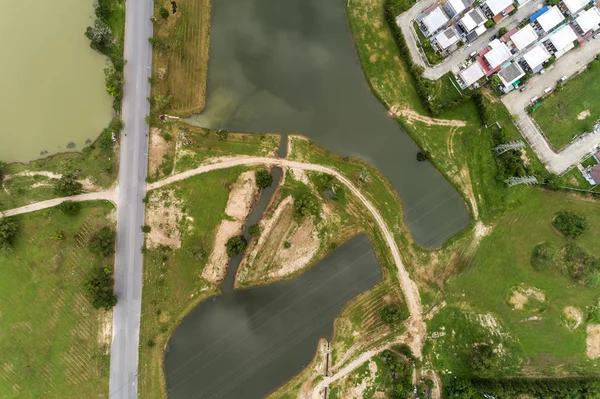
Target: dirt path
{"points": [[38, 206], [411, 116]]}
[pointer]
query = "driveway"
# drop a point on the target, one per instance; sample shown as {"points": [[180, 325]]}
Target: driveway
{"points": [[405, 22], [517, 102]]}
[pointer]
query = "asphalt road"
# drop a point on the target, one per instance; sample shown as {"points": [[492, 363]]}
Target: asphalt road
{"points": [[131, 191]]}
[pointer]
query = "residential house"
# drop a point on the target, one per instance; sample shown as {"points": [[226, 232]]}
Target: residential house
{"points": [[497, 55], [455, 7], [524, 37], [497, 9], [549, 20], [469, 76], [572, 7], [446, 40], [561, 41], [535, 58], [473, 20], [588, 21], [509, 75], [433, 21]]}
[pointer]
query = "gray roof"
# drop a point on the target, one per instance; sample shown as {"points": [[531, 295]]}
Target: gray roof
{"points": [[510, 73], [477, 16]]}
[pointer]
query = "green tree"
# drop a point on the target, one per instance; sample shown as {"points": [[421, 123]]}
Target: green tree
{"points": [[70, 208], [67, 185], [100, 35], [489, 24], [393, 314], [113, 79], [483, 358], [422, 156], [236, 245], [304, 206], [502, 31], [8, 232], [164, 13], [103, 242], [570, 224], [99, 285], [254, 230], [263, 178]]}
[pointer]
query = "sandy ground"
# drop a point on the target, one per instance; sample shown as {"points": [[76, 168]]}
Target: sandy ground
{"points": [[522, 294], [241, 200], [582, 115], [593, 341], [156, 151], [163, 215], [573, 316]]}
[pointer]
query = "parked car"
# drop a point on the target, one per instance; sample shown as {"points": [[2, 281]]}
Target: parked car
{"points": [[562, 79], [547, 90], [522, 89], [473, 54], [596, 35], [534, 99], [492, 38], [542, 71], [469, 45]]}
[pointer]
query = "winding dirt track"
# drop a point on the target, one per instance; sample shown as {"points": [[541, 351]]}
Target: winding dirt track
{"points": [[416, 326]]}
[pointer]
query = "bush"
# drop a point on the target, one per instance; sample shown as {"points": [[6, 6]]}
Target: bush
{"points": [[100, 288], [304, 206], [2, 168], [263, 178], [8, 232], [103, 242], [489, 24], [543, 256], [70, 208], [164, 13], [422, 156], [146, 228], [254, 230], [236, 245], [570, 224], [582, 267], [100, 35], [393, 314], [67, 185], [502, 31], [483, 358]]}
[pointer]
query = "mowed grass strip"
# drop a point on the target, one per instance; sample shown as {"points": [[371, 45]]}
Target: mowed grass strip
{"points": [[573, 110], [53, 343], [173, 283], [183, 67]]}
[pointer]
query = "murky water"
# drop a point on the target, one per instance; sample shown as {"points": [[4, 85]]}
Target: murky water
{"points": [[290, 66], [51, 81]]}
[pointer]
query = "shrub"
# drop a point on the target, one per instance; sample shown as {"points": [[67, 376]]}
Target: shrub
{"points": [[8, 232], [254, 230], [100, 35], [543, 256], [100, 285], [164, 13], [393, 314], [422, 156], [146, 228], [489, 24], [502, 31], [2, 168], [570, 224], [236, 245], [287, 245], [582, 267], [103, 242], [67, 185], [70, 208], [483, 358], [304, 206], [263, 178]]}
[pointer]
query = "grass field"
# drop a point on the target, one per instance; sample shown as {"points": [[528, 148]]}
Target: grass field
{"points": [[573, 110], [172, 277], [547, 345], [54, 344], [180, 71]]}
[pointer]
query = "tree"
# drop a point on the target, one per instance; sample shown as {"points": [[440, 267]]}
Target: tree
{"points": [[422, 156], [570, 224], [489, 24], [8, 231], [100, 285], [483, 358], [67, 185], [103, 242], [164, 13], [146, 228], [254, 230], [100, 36], [543, 255], [263, 178], [114, 82], [393, 314], [70, 208], [502, 31], [304, 205], [2, 169], [236, 245]]}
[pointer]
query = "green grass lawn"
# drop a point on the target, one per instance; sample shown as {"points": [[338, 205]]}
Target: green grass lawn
{"points": [[564, 113], [53, 342], [433, 56], [172, 277], [501, 263]]}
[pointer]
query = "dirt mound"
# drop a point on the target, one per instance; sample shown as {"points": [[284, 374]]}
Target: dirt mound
{"points": [[573, 317], [163, 215], [584, 114], [523, 296], [241, 199], [593, 341]]}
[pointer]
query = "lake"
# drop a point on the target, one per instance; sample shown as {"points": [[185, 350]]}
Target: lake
{"points": [[52, 82], [290, 66]]}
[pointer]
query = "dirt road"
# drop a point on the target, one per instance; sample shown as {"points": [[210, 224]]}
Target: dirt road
{"points": [[38, 206]]}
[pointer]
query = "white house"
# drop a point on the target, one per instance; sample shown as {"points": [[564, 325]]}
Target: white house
{"points": [[562, 40], [588, 21], [497, 55], [445, 39], [524, 37], [471, 75], [549, 20], [573, 6], [536, 57], [454, 7], [495, 7], [510, 74], [434, 21], [472, 20]]}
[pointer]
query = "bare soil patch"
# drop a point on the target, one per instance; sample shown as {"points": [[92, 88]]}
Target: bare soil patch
{"points": [[163, 215], [573, 317], [157, 150], [584, 114], [522, 295], [241, 200], [593, 341]]}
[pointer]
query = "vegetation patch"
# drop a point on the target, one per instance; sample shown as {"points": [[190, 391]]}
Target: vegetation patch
{"points": [[543, 256], [55, 343], [570, 224]]}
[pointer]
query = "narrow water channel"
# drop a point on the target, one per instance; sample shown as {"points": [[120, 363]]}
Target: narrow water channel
{"points": [[290, 66], [246, 343]]}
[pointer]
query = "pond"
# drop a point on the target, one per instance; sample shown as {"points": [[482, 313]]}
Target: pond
{"points": [[52, 81], [290, 66]]}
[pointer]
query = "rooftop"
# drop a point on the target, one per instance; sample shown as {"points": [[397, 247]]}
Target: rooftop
{"points": [[447, 38], [589, 20], [435, 20], [511, 73], [473, 19], [498, 54], [497, 6], [550, 19], [563, 38], [472, 74], [459, 5], [575, 5], [536, 56], [524, 37], [539, 12]]}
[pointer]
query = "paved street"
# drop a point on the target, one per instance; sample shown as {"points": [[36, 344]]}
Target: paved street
{"points": [[516, 102], [451, 63], [132, 188]]}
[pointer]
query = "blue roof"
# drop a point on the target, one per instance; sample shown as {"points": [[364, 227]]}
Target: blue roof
{"points": [[538, 13]]}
